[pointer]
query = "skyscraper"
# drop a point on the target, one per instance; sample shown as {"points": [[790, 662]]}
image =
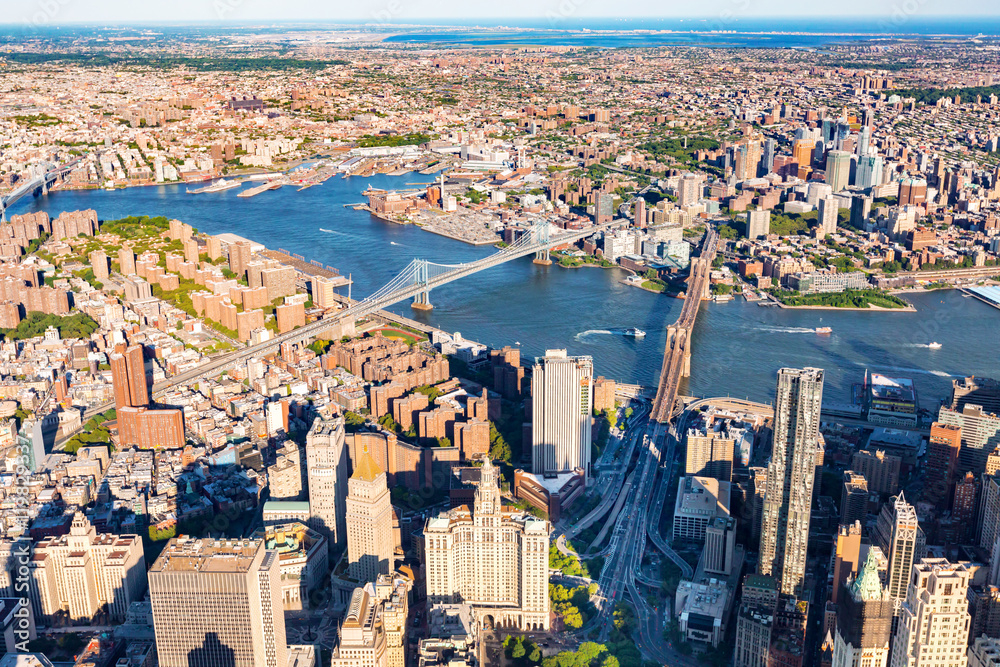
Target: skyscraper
{"points": [[790, 476], [369, 521], [933, 626], [869, 171], [688, 189], [902, 541], [326, 470], [494, 560], [83, 572], [218, 603], [128, 375], [605, 208], [709, 453], [854, 499], [323, 291], [562, 403], [767, 160], [373, 633], [755, 621], [829, 129], [846, 557], [980, 435], [829, 211], [802, 151], [838, 169], [861, 208], [864, 619], [747, 160], [942, 462], [758, 223], [864, 140]]}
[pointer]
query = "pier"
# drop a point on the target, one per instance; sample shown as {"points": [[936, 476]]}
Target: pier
{"points": [[263, 187], [989, 295]]}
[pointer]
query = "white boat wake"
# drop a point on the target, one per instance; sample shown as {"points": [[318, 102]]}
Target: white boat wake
{"points": [[788, 329], [593, 332]]}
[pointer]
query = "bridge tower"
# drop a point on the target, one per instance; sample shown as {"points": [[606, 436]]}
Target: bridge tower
{"points": [[422, 300], [540, 232]]}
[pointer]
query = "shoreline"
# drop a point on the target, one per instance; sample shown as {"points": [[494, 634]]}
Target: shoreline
{"points": [[672, 295], [432, 230], [870, 309]]}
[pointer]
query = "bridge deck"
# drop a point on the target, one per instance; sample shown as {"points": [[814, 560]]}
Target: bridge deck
{"points": [[678, 345]]}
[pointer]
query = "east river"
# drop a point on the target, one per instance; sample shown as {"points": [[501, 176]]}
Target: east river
{"points": [[738, 346]]}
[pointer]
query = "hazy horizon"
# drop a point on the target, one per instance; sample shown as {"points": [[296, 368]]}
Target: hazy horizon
{"points": [[416, 12]]}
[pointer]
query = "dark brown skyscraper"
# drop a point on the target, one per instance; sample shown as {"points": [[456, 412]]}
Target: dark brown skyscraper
{"points": [[942, 463], [128, 374]]}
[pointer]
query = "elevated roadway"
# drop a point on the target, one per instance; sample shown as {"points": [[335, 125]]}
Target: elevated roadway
{"points": [[415, 281], [677, 353], [42, 176], [622, 566]]}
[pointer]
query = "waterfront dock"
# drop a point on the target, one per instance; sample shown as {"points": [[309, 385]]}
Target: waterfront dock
{"points": [[263, 187], [989, 294]]}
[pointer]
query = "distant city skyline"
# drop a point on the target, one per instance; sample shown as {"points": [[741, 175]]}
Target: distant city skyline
{"points": [[58, 12]]}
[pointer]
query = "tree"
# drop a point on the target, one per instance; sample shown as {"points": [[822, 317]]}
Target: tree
{"points": [[610, 661], [517, 651], [353, 421], [572, 619], [388, 422], [499, 449], [727, 232]]}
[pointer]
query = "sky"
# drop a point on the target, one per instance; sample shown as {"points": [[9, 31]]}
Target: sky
{"points": [[54, 12]]}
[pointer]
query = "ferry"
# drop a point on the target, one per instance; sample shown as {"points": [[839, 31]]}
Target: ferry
{"points": [[934, 346], [218, 186], [635, 333], [823, 330]]}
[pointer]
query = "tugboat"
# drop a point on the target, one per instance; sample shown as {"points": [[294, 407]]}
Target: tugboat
{"points": [[635, 333]]}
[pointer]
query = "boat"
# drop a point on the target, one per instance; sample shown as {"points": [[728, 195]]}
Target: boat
{"points": [[823, 330], [635, 333], [934, 346], [218, 186]]}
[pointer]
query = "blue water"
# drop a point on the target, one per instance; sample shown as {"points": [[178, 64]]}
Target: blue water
{"points": [[738, 346], [720, 31]]}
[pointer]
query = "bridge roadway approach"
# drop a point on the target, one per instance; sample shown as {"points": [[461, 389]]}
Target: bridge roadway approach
{"points": [[413, 282], [658, 450], [42, 176], [677, 355]]}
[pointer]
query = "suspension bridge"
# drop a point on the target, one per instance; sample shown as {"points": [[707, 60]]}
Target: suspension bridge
{"points": [[42, 175], [415, 282]]}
